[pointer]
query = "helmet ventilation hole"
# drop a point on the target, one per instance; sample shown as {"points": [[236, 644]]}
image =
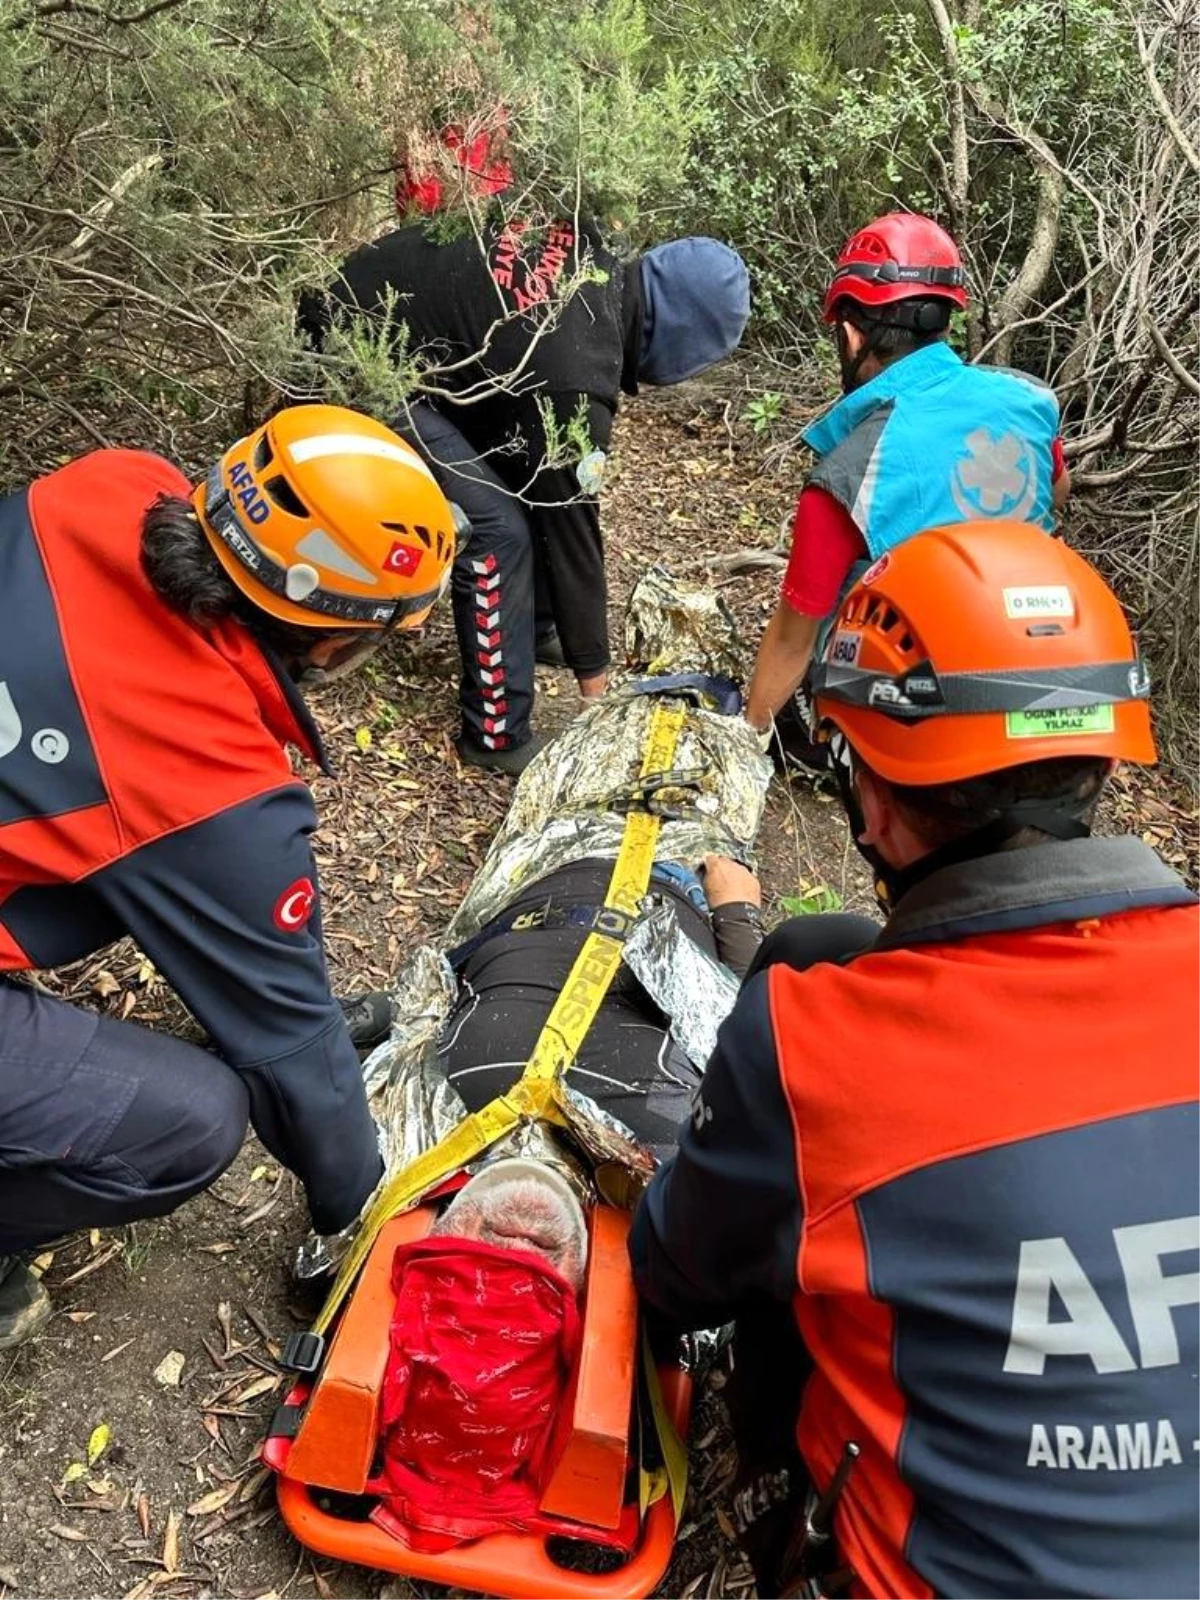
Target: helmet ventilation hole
{"points": [[419, 531], [285, 497], [262, 454]]}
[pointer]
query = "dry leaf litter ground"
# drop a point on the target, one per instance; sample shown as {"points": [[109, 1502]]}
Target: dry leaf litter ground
{"points": [[129, 1430]]}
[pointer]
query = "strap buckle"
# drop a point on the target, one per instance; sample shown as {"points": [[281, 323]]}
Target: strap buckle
{"points": [[303, 1352], [285, 1424], [650, 793]]}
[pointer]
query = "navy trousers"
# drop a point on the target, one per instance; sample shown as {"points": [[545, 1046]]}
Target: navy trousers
{"points": [[103, 1122]]}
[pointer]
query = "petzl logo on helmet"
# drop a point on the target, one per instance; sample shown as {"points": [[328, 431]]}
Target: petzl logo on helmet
{"points": [[295, 906], [921, 686], [403, 558], [997, 477], [886, 693], [249, 555]]}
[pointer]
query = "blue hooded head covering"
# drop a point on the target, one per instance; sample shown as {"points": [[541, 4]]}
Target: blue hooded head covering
{"points": [[695, 305]]}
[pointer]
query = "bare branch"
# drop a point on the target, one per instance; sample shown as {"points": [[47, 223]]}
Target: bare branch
{"points": [[1146, 57], [1023, 289], [960, 165]]}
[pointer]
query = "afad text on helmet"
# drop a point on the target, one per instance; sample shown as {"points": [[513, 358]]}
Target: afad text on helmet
{"points": [[248, 493], [845, 649]]}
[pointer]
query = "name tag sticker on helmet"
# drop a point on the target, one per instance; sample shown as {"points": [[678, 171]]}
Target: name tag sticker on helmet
{"points": [[1043, 600], [844, 649], [1059, 722]]}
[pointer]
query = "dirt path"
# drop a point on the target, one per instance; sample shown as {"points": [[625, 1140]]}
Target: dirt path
{"points": [[175, 1505]]}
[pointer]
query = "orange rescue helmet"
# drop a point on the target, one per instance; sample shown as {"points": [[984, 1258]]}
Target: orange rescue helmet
{"points": [[325, 518], [981, 646]]}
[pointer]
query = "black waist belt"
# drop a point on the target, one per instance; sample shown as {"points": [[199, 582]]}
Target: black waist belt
{"points": [[550, 914]]}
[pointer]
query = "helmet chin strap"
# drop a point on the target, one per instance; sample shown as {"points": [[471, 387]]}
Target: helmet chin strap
{"points": [[1060, 819]]}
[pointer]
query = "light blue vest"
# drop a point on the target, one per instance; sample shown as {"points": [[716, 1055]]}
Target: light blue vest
{"points": [[931, 440]]}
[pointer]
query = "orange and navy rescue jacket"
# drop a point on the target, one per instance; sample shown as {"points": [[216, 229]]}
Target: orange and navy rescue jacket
{"points": [[967, 1158], [145, 789]]}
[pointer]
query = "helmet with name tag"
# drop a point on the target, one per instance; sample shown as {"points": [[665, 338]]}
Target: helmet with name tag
{"points": [[977, 647], [325, 518]]}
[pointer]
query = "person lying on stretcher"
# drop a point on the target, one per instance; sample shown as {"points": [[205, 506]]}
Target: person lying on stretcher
{"points": [[486, 1327], [494, 1301], [511, 972]]}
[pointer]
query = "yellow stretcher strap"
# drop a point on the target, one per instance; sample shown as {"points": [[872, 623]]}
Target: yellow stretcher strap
{"points": [[535, 1095], [670, 1477]]}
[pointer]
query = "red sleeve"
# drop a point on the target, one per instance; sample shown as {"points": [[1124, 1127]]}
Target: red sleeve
{"points": [[1057, 459], [825, 545]]}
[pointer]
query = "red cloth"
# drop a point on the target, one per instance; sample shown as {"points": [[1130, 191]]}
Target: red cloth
{"points": [[483, 1341], [825, 545], [826, 542], [492, 174]]}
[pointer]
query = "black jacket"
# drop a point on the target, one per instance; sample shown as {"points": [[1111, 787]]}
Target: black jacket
{"points": [[498, 343]]}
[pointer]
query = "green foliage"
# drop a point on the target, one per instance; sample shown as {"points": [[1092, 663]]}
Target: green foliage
{"points": [[601, 117], [763, 411], [364, 364], [810, 118], [816, 899], [168, 183], [568, 439], [173, 174], [773, 163]]}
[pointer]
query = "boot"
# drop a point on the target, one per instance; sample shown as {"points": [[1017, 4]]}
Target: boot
{"points": [[24, 1304], [368, 1017], [512, 761]]}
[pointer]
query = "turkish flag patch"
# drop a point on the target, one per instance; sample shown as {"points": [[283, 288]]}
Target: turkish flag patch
{"points": [[295, 906], [403, 558]]}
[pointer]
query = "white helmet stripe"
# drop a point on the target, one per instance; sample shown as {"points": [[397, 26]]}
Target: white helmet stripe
{"points": [[353, 444], [318, 547]]}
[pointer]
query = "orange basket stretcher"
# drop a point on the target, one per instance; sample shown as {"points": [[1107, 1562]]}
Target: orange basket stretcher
{"points": [[323, 1444]]}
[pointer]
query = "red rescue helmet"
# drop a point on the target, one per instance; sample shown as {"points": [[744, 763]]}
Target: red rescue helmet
{"points": [[973, 648], [902, 256]]}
